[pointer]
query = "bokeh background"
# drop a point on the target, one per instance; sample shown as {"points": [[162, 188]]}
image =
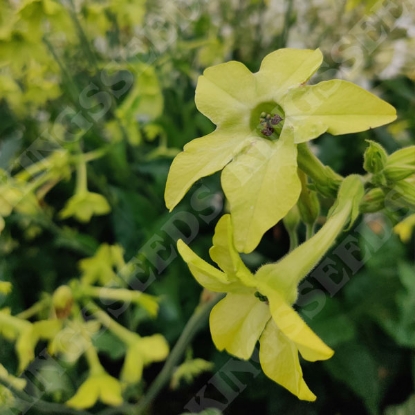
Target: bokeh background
{"points": [[116, 80]]}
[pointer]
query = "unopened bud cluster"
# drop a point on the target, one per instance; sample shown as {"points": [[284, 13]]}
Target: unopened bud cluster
{"points": [[389, 173]]}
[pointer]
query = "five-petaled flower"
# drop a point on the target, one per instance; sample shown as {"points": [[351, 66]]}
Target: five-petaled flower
{"points": [[260, 119], [259, 306]]}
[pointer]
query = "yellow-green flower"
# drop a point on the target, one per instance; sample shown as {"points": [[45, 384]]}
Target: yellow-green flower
{"points": [[260, 306], [405, 228], [98, 386], [100, 267], [83, 205], [260, 119], [26, 335], [141, 352], [72, 341]]}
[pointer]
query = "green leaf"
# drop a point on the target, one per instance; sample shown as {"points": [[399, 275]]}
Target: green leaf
{"points": [[336, 107], [354, 365]]}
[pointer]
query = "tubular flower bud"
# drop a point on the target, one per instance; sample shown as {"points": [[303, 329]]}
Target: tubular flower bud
{"points": [[400, 164], [375, 158], [373, 201]]}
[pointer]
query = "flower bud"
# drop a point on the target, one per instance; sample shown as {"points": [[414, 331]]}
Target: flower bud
{"points": [[400, 164], [404, 156], [373, 201], [62, 301], [375, 158], [292, 219], [402, 195], [396, 173]]}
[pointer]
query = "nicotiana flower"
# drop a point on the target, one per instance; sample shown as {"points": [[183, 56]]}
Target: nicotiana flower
{"points": [[260, 306], [26, 335], [260, 119], [82, 206], [98, 386], [141, 351]]}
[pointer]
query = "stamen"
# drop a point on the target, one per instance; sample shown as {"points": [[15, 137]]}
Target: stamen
{"points": [[268, 122]]}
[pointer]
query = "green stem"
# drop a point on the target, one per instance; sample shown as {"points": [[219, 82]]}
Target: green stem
{"points": [[309, 231], [81, 177], [73, 89], [293, 239], [82, 35], [194, 324], [34, 309], [120, 331]]}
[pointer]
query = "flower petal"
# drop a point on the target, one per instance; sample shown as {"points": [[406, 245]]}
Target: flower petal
{"points": [[223, 252], [284, 69], [202, 157], [336, 106], [236, 323], [311, 347], [110, 391], [86, 395], [279, 361], [224, 92], [205, 274], [262, 185], [132, 369], [154, 348]]}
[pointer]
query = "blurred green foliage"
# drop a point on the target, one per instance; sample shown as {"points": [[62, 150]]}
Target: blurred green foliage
{"points": [[96, 98]]}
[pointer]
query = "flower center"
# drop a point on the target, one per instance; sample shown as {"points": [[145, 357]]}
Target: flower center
{"points": [[269, 122], [267, 119]]}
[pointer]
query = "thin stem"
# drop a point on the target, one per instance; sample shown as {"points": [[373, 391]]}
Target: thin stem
{"points": [[194, 324], [73, 89], [34, 309], [309, 231], [82, 35], [293, 239], [120, 331], [81, 177]]}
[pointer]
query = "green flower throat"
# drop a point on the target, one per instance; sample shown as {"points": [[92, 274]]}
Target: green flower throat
{"points": [[268, 119]]}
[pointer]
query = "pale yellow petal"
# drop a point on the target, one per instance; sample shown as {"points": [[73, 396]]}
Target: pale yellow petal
{"points": [[225, 92], [205, 274], [279, 361], [236, 323], [202, 157], [285, 69], [262, 185], [311, 347]]}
